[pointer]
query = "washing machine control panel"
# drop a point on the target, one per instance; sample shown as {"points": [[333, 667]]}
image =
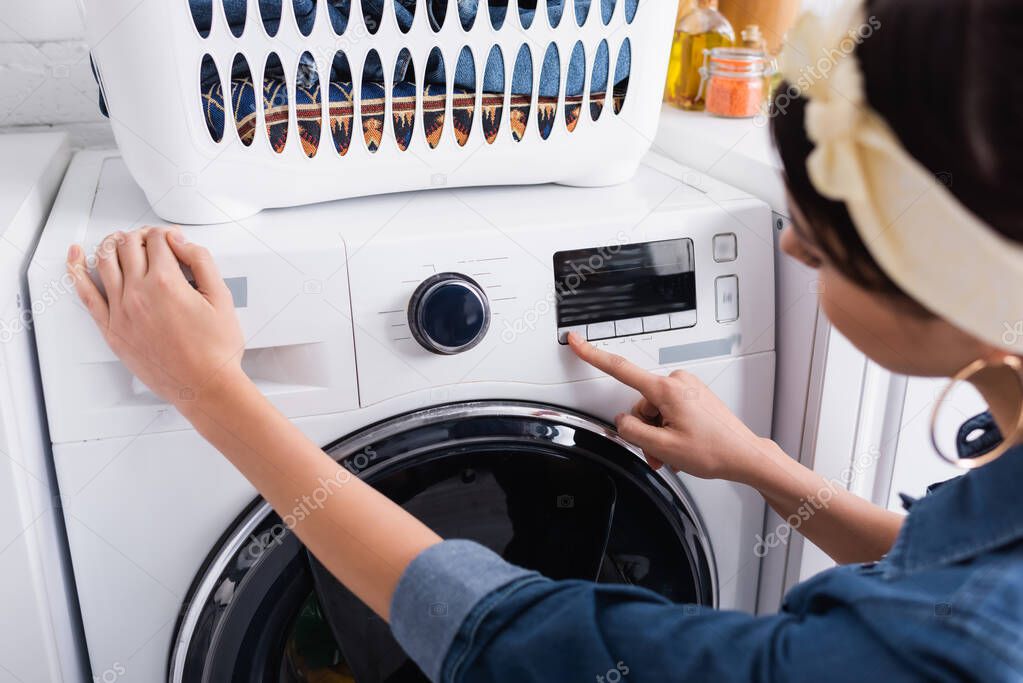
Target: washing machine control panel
{"points": [[621, 290], [468, 293], [448, 313]]}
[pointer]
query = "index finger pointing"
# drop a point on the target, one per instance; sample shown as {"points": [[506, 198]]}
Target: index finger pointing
{"points": [[618, 367]]}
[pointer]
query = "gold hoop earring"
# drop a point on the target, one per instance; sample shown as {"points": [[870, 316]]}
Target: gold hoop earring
{"points": [[1009, 440]]}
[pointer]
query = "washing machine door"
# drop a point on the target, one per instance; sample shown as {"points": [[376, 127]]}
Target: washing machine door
{"points": [[546, 488]]}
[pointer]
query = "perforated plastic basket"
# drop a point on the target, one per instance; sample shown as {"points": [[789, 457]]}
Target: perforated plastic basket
{"points": [[328, 99]]}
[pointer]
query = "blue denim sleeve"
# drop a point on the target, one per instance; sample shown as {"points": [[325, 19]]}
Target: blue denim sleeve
{"points": [[437, 592], [580, 631], [465, 615]]}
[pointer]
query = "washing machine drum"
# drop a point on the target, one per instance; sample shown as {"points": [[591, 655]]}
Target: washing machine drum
{"points": [[547, 489]]}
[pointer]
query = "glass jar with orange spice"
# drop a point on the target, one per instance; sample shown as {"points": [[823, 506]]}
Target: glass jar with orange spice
{"points": [[734, 81]]}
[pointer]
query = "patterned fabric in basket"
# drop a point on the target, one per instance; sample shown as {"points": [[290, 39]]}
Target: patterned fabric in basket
{"points": [[341, 113]]}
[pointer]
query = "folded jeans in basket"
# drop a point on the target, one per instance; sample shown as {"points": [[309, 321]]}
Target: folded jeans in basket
{"points": [[339, 12], [464, 76]]}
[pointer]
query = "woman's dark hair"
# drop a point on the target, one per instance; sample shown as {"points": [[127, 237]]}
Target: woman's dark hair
{"points": [[945, 76]]}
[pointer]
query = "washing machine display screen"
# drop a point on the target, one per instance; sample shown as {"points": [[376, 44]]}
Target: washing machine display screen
{"points": [[624, 281]]}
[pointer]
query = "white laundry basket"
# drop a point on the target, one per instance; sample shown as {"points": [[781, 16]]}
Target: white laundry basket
{"points": [[149, 55]]}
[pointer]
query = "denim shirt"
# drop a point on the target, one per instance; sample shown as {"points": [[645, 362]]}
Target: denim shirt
{"points": [[946, 604]]}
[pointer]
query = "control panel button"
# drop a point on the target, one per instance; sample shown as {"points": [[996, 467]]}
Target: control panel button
{"points": [[726, 247], [683, 319], [726, 291], [600, 331], [656, 323], [631, 326], [563, 333]]}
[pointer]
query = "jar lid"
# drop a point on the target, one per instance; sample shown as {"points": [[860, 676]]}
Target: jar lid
{"points": [[753, 37], [737, 61]]}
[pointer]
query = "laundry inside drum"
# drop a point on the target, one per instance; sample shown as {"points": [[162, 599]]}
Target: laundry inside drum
{"points": [[569, 512]]}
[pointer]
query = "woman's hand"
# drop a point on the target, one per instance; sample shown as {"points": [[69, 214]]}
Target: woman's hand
{"points": [[680, 423], [184, 343], [180, 341]]}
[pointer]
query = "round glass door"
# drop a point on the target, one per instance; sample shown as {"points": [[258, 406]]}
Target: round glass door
{"points": [[545, 488]]}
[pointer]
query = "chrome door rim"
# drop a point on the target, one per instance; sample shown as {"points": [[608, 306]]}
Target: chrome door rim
{"points": [[346, 446]]}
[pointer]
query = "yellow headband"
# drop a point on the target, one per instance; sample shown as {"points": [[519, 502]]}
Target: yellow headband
{"points": [[923, 238]]}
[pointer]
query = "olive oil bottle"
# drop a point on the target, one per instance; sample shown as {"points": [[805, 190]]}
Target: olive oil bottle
{"points": [[702, 29], [684, 8]]}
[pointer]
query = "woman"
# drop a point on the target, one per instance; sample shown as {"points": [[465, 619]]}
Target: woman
{"points": [[923, 278]]}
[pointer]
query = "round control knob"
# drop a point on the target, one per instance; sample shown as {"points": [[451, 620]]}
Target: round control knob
{"points": [[448, 313]]}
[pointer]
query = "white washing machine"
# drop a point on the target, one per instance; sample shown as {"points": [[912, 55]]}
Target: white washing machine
{"points": [[40, 633], [417, 337]]}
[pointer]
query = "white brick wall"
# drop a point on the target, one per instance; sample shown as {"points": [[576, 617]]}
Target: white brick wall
{"points": [[45, 78]]}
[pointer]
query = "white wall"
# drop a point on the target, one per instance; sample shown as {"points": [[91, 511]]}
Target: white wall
{"points": [[821, 6], [45, 78]]}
